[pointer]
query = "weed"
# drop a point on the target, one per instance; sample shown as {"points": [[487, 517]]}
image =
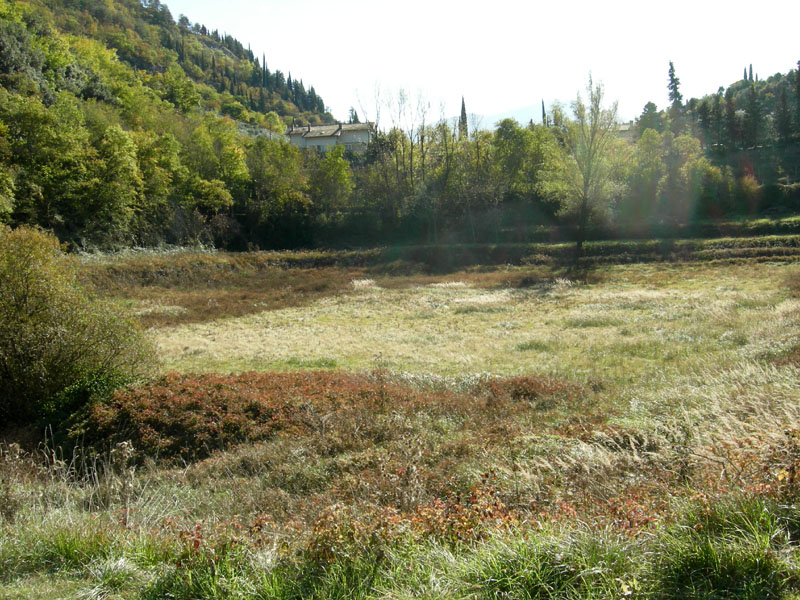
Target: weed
{"points": [[538, 345], [582, 322]]}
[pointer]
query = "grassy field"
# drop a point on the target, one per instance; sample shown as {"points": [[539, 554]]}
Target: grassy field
{"points": [[630, 431], [631, 322]]}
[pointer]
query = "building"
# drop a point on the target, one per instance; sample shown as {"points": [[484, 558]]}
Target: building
{"points": [[353, 136], [626, 130]]}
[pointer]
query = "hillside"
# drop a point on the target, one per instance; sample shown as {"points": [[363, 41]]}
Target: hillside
{"points": [[145, 37], [120, 127]]}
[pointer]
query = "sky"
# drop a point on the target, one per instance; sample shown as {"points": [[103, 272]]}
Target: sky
{"points": [[504, 55]]}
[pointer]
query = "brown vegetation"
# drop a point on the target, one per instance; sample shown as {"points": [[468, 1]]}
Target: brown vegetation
{"points": [[198, 287]]}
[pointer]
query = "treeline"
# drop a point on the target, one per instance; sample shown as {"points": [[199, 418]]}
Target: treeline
{"points": [[115, 139], [732, 154]]}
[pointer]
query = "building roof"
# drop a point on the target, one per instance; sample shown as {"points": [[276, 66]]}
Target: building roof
{"points": [[320, 131]]}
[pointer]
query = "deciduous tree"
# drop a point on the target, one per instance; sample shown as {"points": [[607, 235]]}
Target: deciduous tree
{"points": [[649, 119], [586, 180]]}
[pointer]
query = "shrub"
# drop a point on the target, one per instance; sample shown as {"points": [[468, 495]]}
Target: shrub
{"points": [[189, 416], [58, 343]]}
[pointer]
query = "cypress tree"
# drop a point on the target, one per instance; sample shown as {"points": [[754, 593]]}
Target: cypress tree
{"points": [[753, 122], [751, 72], [797, 99], [730, 118], [717, 117], [783, 118], [675, 98], [462, 121], [704, 116], [544, 114]]}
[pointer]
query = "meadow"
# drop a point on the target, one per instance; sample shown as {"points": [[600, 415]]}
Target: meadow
{"points": [[342, 427]]}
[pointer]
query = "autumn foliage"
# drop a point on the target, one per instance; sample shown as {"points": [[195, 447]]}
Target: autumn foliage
{"points": [[189, 416]]}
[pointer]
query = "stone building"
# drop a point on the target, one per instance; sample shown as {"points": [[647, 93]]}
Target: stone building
{"points": [[353, 136]]}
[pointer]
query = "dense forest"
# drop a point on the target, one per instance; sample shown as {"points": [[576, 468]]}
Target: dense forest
{"points": [[120, 126]]}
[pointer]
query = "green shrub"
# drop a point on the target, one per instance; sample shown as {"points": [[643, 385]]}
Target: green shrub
{"points": [[59, 345]]}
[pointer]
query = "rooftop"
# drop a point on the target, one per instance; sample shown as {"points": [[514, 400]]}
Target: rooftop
{"points": [[316, 131]]}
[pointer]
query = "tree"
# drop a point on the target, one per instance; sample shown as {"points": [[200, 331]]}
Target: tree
{"points": [[646, 172], [57, 342], [649, 119], [353, 118], [330, 184], [704, 117], [279, 205], [521, 155], [679, 188], [718, 119], [676, 100], [586, 180], [179, 89], [731, 121], [462, 121], [162, 174], [6, 176], [114, 199], [783, 116], [753, 117], [797, 99]]}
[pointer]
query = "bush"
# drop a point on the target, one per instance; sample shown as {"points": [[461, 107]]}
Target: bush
{"points": [[188, 416], [58, 343]]}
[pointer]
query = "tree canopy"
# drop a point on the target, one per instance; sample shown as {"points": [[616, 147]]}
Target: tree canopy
{"points": [[119, 126]]}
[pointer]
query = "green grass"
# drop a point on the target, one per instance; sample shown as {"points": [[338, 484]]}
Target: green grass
{"points": [[312, 363], [537, 345]]}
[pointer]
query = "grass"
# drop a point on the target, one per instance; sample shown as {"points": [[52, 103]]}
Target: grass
{"points": [[618, 328], [165, 289], [485, 433]]}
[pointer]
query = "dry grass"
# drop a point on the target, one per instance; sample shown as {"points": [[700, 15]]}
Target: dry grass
{"points": [[631, 323], [199, 287]]}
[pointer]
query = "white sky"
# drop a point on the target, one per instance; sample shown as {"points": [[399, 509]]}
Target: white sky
{"points": [[502, 55]]}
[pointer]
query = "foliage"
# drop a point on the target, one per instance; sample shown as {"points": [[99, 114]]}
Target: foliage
{"points": [[190, 416], [586, 180], [656, 478], [331, 184], [120, 127], [55, 338]]}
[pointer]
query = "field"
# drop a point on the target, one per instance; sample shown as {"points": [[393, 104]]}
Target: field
{"points": [[348, 428]]}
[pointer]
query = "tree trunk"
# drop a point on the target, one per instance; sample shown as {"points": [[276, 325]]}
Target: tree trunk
{"points": [[583, 218]]}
